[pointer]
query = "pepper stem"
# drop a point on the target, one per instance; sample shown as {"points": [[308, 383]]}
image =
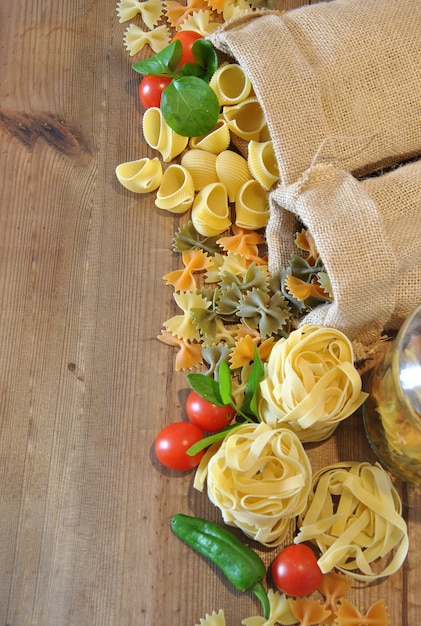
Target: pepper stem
{"points": [[259, 592]]}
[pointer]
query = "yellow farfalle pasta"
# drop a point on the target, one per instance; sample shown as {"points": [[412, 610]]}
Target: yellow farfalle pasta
{"points": [[231, 84], [246, 119], [262, 163], [160, 136], [354, 517], [210, 211], [176, 12], [150, 11], [176, 192], [280, 612], [199, 22], [214, 619], [260, 479], [216, 141], [135, 38], [310, 383], [141, 176], [202, 167], [251, 206], [183, 326], [233, 172], [234, 8]]}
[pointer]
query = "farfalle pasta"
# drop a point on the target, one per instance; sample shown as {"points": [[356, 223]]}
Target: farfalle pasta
{"points": [[310, 383], [354, 517], [150, 11], [135, 38], [280, 612], [260, 479], [199, 22], [213, 619]]}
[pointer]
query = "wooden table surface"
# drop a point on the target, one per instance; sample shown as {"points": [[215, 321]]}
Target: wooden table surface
{"points": [[84, 384]]}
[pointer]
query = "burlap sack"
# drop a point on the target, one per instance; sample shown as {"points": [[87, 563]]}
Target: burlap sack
{"points": [[340, 84]]}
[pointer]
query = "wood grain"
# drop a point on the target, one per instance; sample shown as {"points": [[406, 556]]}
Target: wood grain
{"points": [[84, 384]]}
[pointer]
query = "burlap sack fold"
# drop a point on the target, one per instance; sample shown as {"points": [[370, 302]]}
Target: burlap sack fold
{"points": [[340, 84]]}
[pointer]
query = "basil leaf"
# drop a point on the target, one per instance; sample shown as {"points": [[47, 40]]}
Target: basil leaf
{"points": [[250, 395], [206, 387], [189, 106], [164, 63], [207, 441], [206, 57], [225, 383]]}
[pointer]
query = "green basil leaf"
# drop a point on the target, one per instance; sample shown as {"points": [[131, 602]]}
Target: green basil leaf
{"points": [[164, 63], [225, 383], [190, 69], [189, 106], [208, 441], [206, 387], [206, 57], [250, 395]]}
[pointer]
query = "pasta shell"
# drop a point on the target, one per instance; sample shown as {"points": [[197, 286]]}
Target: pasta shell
{"points": [[140, 176], [262, 163], [202, 167], [233, 172], [251, 206], [160, 136], [246, 119], [216, 141], [176, 193], [210, 212], [231, 84]]}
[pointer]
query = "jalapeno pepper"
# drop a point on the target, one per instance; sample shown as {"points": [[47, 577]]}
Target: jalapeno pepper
{"points": [[241, 565]]}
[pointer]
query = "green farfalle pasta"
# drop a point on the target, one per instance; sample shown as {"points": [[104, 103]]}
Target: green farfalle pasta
{"points": [[187, 238], [269, 314]]}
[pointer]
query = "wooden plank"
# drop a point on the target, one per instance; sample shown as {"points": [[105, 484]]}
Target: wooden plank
{"points": [[84, 384]]}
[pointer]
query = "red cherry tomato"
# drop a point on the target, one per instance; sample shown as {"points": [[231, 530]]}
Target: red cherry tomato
{"points": [[150, 90], [295, 570], [187, 39], [209, 417], [172, 443]]}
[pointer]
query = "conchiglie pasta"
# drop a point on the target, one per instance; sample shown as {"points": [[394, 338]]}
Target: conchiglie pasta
{"points": [[246, 119], [262, 163], [251, 206], [217, 140], [160, 136], [231, 84], [210, 212], [176, 192], [233, 172], [141, 176], [260, 480], [202, 167]]}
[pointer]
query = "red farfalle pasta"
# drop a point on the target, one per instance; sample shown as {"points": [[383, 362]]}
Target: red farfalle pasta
{"points": [[308, 611], [349, 615], [194, 261], [244, 242], [189, 354]]}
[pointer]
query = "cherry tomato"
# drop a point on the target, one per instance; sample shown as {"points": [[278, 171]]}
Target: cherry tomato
{"points": [[150, 90], [172, 443], [295, 570], [187, 39], [209, 417]]}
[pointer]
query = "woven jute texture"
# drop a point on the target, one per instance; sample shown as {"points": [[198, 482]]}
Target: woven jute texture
{"points": [[340, 85]]}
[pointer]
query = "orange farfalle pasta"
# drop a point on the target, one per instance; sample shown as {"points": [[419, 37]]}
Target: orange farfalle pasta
{"points": [[302, 290], [308, 611], [305, 241], [189, 354], [244, 242], [349, 615], [176, 13], [334, 586], [194, 260]]}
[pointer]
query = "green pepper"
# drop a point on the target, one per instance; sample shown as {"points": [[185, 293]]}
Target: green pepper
{"points": [[241, 565]]}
